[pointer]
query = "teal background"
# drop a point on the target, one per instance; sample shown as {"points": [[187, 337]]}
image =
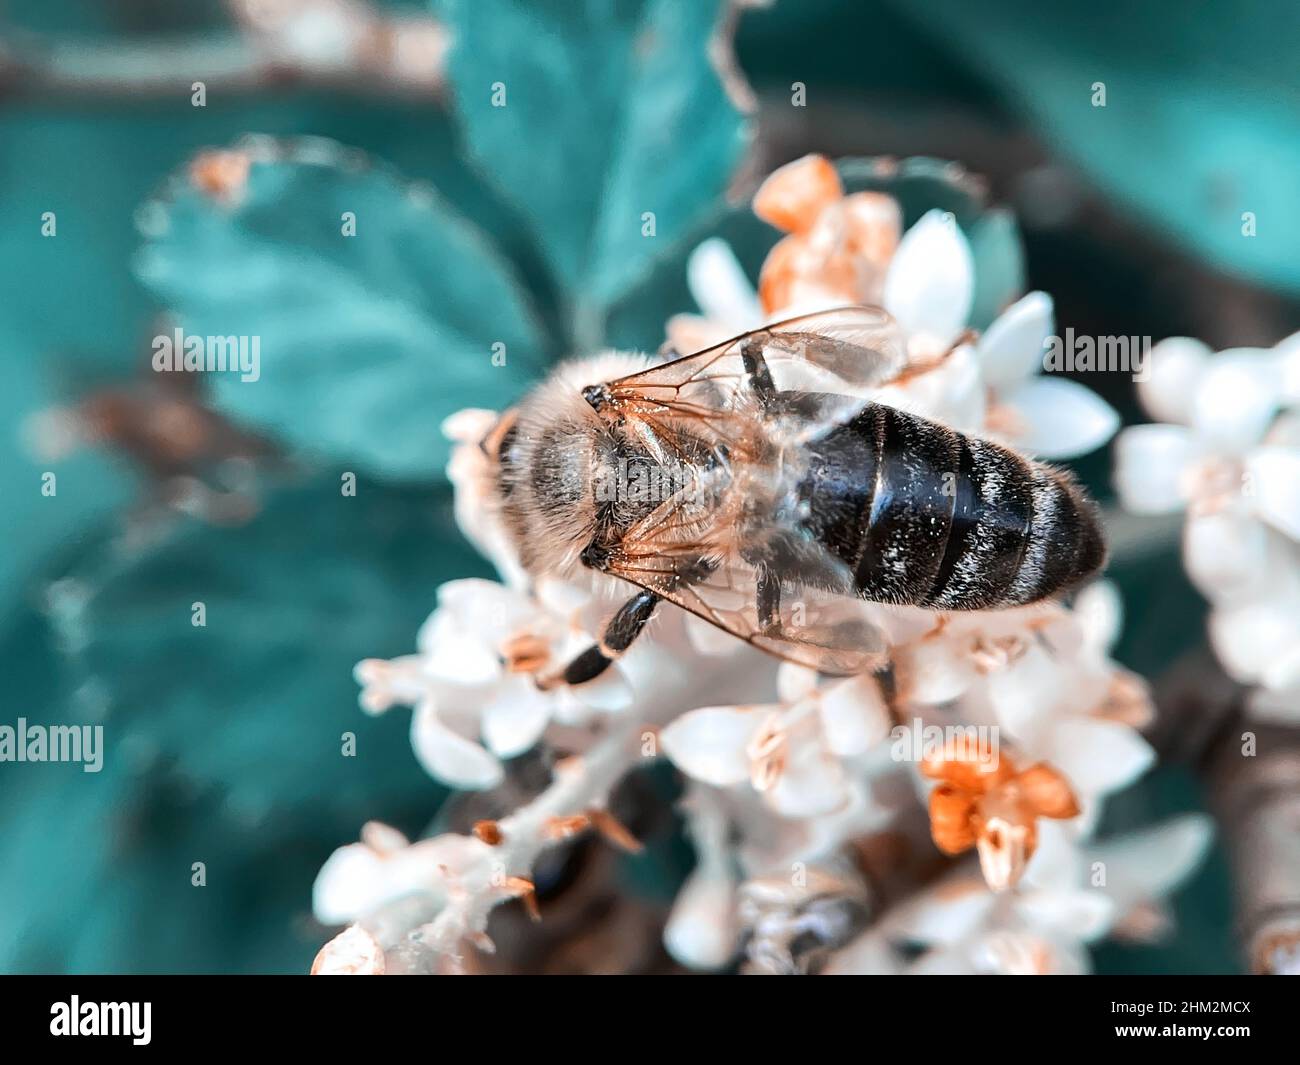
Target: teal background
{"points": [[223, 740]]}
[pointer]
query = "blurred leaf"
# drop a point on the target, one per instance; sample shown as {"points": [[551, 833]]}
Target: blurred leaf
{"points": [[315, 583], [999, 265], [1195, 132], [87, 486], [222, 742], [367, 341], [612, 109]]}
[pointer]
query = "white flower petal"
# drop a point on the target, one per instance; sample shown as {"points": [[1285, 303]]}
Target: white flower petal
{"points": [[450, 757], [486, 609], [1288, 355], [709, 744], [1252, 639], [719, 286], [1082, 913], [1063, 418], [468, 426], [794, 682], [456, 655], [353, 952], [1057, 863], [933, 672], [516, 717], [1280, 707], [1148, 864], [931, 279], [1099, 611], [945, 914], [1275, 480], [1149, 465], [1229, 555], [709, 640], [811, 785], [1025, 695], [1012, 349], [853, 715], [1174, 372], [702, 932], [1096, 756], [952, 392], [610, 691], [348, 885], [1237, 397], [1284, 672]]}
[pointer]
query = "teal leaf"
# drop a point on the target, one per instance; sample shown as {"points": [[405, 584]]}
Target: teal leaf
{"points": [[257, 696], [223, 743], [612, 111], [366, 341], [1194, 133], [999, 265]]}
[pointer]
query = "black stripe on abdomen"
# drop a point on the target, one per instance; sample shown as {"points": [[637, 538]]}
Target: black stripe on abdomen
{"points": [[987, 561], [911, 513]]}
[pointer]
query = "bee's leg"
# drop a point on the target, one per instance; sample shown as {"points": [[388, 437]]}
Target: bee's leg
{"points": [[760, 377], [624, 627], [769, 601]]}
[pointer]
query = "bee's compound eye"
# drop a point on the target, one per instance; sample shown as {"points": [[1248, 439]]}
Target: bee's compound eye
{"points": [[505, 444], [594, 556], [597, 396]]}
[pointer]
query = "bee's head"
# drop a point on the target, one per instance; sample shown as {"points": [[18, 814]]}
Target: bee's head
{"points": [[545, 455]]}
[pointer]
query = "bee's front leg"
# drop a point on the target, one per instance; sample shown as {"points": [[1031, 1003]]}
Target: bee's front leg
{"points": [[625, 626]]}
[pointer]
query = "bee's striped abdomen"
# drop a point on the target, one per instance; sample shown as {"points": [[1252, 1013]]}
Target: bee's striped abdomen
{"points": [[926, 516]]}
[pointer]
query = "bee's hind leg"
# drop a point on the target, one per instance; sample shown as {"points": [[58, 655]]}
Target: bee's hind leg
{"points": [[625, 626], [756, 369], [769, 601]]}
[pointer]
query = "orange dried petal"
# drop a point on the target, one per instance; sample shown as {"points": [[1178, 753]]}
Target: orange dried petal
{"points": [[1046, 792], [967, 767], [801, 268], [950, 819], [873, 225], [794, 195], [222, 175], [614, 831], [565, 827]]}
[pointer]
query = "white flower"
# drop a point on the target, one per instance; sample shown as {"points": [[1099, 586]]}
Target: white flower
{"points": [[1071, 895], [353, 952], [1227, 451], [1215, 448], [791, 752], [992, 387], [996, 387], [701, 931], [1043, 676], [470, 473], [360, 878], [481, 653]]}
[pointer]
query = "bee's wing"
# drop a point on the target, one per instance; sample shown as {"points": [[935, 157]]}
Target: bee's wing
{"points": [[840, 352], [783, 593]]}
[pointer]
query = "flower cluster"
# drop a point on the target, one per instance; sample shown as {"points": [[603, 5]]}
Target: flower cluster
{"points": [[786, 772], [1226, 449]]}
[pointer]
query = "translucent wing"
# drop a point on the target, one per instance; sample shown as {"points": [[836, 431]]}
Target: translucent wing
{"points": [[838, 354], [762, 582], [732, 550]]}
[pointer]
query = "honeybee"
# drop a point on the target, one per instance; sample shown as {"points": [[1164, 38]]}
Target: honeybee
{"points": [[756, 485]]}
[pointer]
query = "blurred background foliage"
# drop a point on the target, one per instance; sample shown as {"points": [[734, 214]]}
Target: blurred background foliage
{"points": [[520, 225]]}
